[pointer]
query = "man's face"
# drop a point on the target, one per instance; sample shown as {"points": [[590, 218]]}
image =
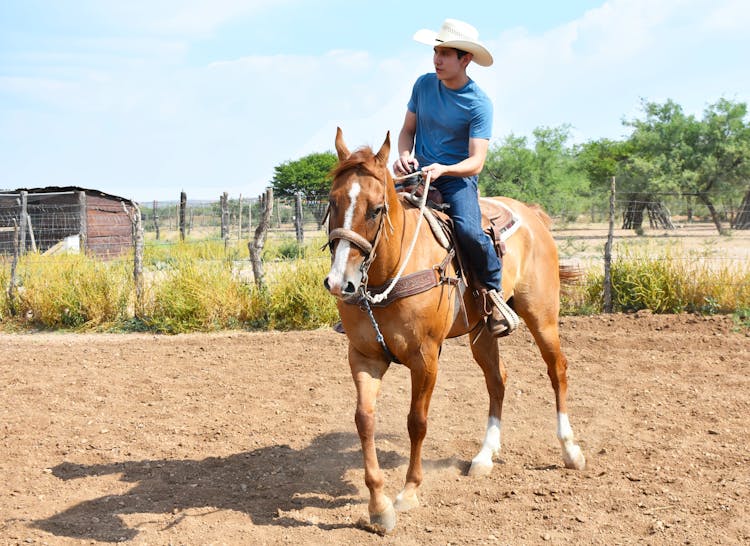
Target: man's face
{"points": [[447, 64]]}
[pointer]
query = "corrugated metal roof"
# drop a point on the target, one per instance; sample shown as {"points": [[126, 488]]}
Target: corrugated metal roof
{"points": [[64, 189]]}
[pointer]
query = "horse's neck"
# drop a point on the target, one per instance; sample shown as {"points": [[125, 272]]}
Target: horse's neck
{"points": [[399, 231]]}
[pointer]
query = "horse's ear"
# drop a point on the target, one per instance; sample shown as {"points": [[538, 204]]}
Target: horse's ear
{"points": [[385, 149], [341, 148]]}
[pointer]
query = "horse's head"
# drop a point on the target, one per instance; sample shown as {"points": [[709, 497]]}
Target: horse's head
{"points": [[358, 208]]}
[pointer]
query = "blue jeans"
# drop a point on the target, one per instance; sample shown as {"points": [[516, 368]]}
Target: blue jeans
{"points": [[475, 245]]}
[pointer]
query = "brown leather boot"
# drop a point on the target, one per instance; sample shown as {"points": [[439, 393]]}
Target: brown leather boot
{"points": [[502, 320]]}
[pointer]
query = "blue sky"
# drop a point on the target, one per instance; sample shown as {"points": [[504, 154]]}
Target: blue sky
{"points": [[147, 98]]}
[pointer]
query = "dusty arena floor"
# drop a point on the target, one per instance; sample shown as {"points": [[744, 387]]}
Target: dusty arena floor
{"points": [[248, 438]]}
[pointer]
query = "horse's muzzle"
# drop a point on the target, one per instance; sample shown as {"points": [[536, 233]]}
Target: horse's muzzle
{"points": [[344, 290]]}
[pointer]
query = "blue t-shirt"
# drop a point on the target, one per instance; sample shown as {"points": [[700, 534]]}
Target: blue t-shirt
{"points": [[447, 119]]}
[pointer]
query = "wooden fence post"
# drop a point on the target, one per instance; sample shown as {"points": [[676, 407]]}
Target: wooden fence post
{"points": [[138, 259], [83, 232], [299, 230], [12, 291], [249, 216], [608, 251], [256, 245], [23, 222], [183, 206], [156, 219], [239, 221], [223, 201]]}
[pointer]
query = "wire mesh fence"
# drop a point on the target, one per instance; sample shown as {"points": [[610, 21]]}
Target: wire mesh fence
{"points": [[67, 222], [203, 219]]}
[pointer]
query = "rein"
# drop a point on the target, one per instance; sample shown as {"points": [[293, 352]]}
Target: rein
{"points": [[383, 295]]}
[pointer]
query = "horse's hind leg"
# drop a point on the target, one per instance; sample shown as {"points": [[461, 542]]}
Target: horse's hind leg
{"points": [[485, 350], [547, 338]]}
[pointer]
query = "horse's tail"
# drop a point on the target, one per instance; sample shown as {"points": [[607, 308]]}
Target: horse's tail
{"points": [[570, 274]]}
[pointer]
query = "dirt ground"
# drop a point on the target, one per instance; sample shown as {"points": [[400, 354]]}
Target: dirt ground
{"points": [[249, 438]]}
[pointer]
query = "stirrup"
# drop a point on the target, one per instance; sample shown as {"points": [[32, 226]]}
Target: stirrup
{"points": [[509, 318]]}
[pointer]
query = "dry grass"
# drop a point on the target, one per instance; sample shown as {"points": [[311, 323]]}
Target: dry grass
{"points": [[205, 285]]}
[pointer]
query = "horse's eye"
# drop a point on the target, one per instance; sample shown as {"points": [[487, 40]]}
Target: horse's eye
{"points": [[373, 212]]}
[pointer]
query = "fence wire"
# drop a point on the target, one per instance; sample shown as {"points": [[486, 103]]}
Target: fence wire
{"points": [[51, 226]]}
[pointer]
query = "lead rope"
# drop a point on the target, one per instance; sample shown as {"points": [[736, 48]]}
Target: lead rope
{"points": [[377, 298], [378, 334]]}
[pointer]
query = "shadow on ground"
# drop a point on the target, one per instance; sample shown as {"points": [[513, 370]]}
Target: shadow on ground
{"points": [[263, 483]]}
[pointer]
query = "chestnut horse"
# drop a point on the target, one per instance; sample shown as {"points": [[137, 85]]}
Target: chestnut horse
{"points": [[370, 236]]}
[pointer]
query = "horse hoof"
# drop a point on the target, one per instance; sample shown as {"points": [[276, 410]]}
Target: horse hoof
{"points": [[574, 459], [384, 521], [480, 468], [406, 502], [481, 465]]}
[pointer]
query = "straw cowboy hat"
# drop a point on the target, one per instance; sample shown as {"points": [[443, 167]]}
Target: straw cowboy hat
{"points": [[458, 35]]}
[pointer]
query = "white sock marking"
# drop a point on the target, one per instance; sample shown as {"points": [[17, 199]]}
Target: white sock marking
{"points": [[491, 445], [572, 454], [564, 431]]}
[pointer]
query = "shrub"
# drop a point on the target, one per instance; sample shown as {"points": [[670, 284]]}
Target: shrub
{"points": [[72, 291], [196, 295], [206, 286], [671, 280], [297, 298]]}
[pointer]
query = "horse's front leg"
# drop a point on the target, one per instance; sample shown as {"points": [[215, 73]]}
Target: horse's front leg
{"points": [[367, 375], [423, 377]]}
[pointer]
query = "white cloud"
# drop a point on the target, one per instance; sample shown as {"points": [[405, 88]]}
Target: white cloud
{"points": [[132, 112], [733, 16], [594, 70], [184, 17]]}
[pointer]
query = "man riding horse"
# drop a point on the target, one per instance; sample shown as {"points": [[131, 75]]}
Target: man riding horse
{"points": [[378, 241], [446, 131]]}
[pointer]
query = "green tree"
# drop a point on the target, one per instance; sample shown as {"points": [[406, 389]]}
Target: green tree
{"points": [[509, 170], [546, 173], [599, 160], [721, 164], [675, 152], [658, 145], [308, 175], [564, 187]]}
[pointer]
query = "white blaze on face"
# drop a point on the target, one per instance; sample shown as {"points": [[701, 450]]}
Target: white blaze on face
{"points": [[341, 258]]}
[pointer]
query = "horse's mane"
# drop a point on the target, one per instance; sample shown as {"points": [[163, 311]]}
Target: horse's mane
{"points": [[362, 160]]}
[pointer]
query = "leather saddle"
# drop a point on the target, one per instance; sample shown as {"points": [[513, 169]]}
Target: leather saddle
{"points": [[498, 220]]}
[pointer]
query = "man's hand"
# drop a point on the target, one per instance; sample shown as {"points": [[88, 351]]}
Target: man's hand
{"points": [[406, 164], [435, 170]]}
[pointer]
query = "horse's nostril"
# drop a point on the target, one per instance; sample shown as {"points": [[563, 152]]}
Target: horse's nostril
{"points": [[349, 288], [326, 284]]}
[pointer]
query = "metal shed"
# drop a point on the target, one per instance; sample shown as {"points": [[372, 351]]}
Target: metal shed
{"points": [[58, 219]]}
